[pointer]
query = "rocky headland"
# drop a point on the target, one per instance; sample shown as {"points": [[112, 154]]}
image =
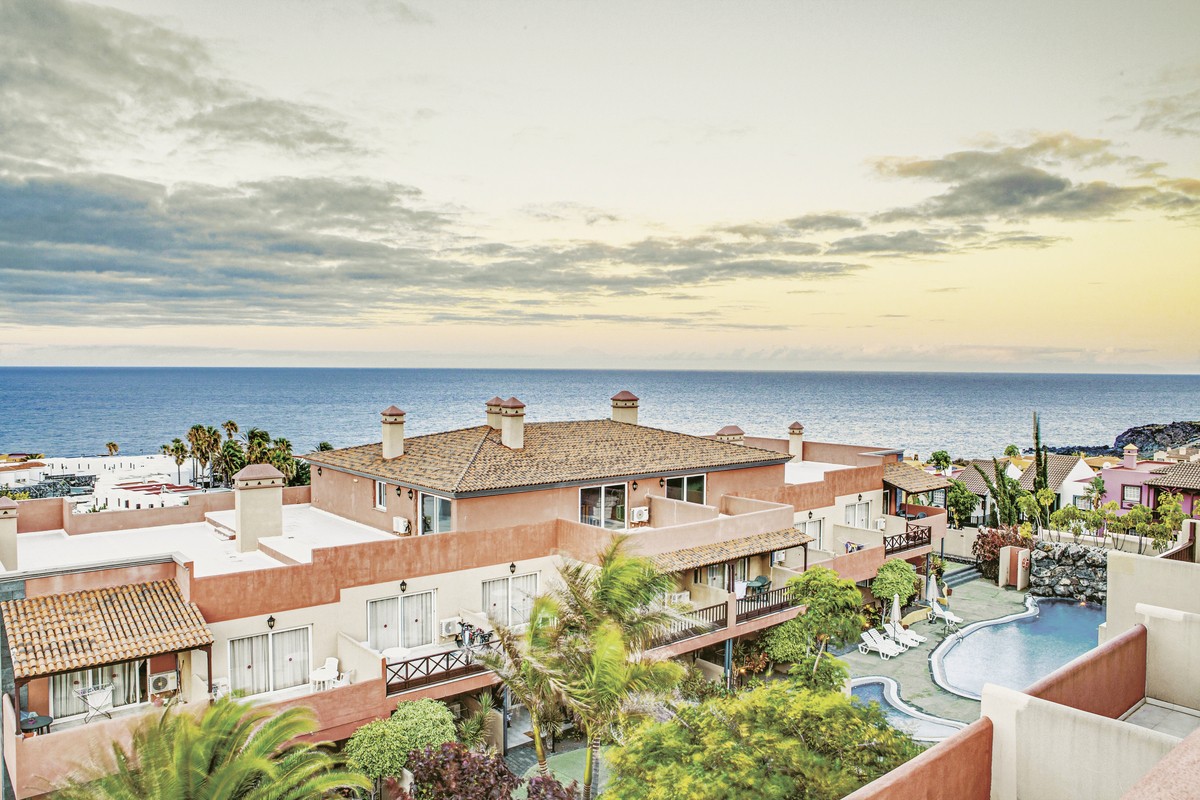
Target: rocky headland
{"points": [[1148, 439]]}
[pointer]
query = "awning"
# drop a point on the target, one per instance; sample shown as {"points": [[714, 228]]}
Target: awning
{"points": [[57, 633], [721, 552], [912, 480]]}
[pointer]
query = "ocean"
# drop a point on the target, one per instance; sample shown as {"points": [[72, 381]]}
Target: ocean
{"points": [[75, 411]]}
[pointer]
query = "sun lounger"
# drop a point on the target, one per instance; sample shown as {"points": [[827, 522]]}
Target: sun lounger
{"points": [[873, 640], [902, 636], [939, 612]]}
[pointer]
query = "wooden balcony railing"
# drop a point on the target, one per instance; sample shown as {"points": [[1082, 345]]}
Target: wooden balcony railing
{"points": [[435, 668], [915, 535], [763, 603], [700, 621], [1183, 552]]}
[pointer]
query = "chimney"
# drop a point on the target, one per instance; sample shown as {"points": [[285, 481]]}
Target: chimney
{"points": [[493, 412], [625, 407], [796, 441], [8, 533], [512, 423], [1131, 453], [257, 505], [732, 434], [393, 432]]}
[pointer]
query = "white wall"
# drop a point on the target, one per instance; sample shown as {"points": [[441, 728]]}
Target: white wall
{"points": [[1145, 579]]}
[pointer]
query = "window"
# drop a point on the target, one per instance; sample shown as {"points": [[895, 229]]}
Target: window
{"points": [[690, 489], [508, 601], [603, 506], [937, 498], [858, 515], [435, 514], [129, 682], [270, 662], [404, 621], [1083, 503], [741, 569], [381, 495], [814, 528], [715, 576], [1131, 494]]}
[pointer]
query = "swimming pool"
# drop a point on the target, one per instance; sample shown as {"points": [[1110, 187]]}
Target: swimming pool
{"points": [[1018, 650], [917, 724]]}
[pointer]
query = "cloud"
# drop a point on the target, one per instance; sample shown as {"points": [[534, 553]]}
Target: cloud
{"points": [[77, 78], [823, 222], [568, 211]]}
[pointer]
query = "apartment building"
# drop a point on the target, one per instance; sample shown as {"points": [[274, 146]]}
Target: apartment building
{"points": [[374, 568]]}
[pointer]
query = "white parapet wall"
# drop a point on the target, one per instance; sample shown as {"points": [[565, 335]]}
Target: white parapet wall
{"points": [[1145, 579], [1046, 751], [1172, 641]]}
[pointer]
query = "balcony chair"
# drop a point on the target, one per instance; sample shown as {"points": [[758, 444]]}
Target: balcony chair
{"points": [[323, 677], [759, 585]]}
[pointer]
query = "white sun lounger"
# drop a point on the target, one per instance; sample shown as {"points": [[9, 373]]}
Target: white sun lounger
{"points": [[939, 612], [873, 640], [902, 636]]}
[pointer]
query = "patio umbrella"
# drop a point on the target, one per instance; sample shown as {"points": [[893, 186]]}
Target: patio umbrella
{"points": [[896, 612], [931, 589]]}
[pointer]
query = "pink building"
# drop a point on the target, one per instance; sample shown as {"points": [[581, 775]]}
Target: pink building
{"points": [[1126, 484]]}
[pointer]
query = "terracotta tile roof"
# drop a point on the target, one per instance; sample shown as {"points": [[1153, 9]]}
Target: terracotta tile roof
{"points": [[20, 465], [58, 633], [1184, 475], [719, 552], [475, 460], [624, 394], [973, 480], [731, 430], [913, 480], [1057, 468]]}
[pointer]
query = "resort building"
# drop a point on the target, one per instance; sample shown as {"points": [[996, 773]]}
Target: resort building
{"points": [[970, 477], [360, 591], [1066, 476], [1126, 484], [1121, 722]]}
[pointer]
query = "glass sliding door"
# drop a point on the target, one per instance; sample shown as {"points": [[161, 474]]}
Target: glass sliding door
{"points": [[417, 615], [603, 506], [435, 514], [383, 623], [690, 489]]}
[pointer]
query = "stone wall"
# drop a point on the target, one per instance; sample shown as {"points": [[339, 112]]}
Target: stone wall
{"points": [[1077, 571]]}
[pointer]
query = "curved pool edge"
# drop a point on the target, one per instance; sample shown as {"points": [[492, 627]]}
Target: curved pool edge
{"points": [[937, 669], [891, 693]]}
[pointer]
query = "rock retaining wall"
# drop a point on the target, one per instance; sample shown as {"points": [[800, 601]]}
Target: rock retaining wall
{"points": [[1069, 570]]}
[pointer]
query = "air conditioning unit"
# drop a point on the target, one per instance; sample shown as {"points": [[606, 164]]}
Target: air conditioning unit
{"points": [[881, 524], [639, 514], [449, 626], [164, 682], [401, 526], [679, 597]]}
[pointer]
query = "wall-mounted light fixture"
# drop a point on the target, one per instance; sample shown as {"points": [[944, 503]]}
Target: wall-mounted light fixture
{"points": [[410, 494], [633, 486], [403, 587], [271, 623], [662, 482], [318, 471], [860, 498], [810, 515], [399, 491], [512, 568]]}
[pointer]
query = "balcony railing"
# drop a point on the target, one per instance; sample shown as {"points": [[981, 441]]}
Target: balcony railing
{"points": [[914, 535], [435, 668], [695, 623], [763, 603], [1181, 552]]}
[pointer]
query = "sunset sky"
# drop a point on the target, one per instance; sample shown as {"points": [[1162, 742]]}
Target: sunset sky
{"points": [[754, 185]]}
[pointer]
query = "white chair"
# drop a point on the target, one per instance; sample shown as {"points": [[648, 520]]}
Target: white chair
{"points": [[902, 636], [220, 688], [323, 677], [939, 612], [98, 700], [872, 641]]}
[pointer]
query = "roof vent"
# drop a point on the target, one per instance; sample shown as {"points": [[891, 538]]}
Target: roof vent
{"points": [[625, 407], [512, 423]]}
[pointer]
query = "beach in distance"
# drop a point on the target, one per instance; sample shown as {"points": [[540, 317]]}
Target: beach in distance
{"points": [[75, 411]]}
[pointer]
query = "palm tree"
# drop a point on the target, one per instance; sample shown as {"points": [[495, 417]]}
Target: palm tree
{"points": [[280, 457], [527, 665], [258, 445], [607, 679], [178, 451], [195, 437], [112, 448], [1095, 492], [232, 752], [230, 428]]}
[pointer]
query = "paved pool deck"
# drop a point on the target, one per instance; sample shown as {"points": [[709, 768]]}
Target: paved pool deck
{"points": [[979, 599]]}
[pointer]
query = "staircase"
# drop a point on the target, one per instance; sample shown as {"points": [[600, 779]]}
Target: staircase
{"points": [[960, 576]]}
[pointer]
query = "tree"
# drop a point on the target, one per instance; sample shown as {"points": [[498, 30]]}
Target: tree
{"points": [[453, 772], [987, 545], [1004, 492], [832, 616], [526, 664], [895, 577], [1159, 525], [775, 742], [230, 427], [1012, 451], [605, 680], [1041, 478], [380, 749], [940, 459], [960, 502], [231, 752], [178, 451], [1095, 492], [112, 448], [324, 447], [473, 728]]}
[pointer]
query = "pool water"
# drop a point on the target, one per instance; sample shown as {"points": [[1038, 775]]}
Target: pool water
{"points": [[1021, 651], [916, 727]]}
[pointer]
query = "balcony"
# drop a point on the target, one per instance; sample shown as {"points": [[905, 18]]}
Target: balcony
{"points": [[434, 668], [915, 535], [696, 623], [764, 603]]}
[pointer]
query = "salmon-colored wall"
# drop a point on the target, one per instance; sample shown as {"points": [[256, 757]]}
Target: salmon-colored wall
{"points": [[850, 455], [1108, 680], [763, 443], [861, 565], [97, 579], [523, 508], [253, 592], [959, 767], [819, 494], [742, 481], [353, 497], [40, 515]]}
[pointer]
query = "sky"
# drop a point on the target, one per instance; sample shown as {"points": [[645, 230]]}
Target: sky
{"points": [[671, 185]]}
